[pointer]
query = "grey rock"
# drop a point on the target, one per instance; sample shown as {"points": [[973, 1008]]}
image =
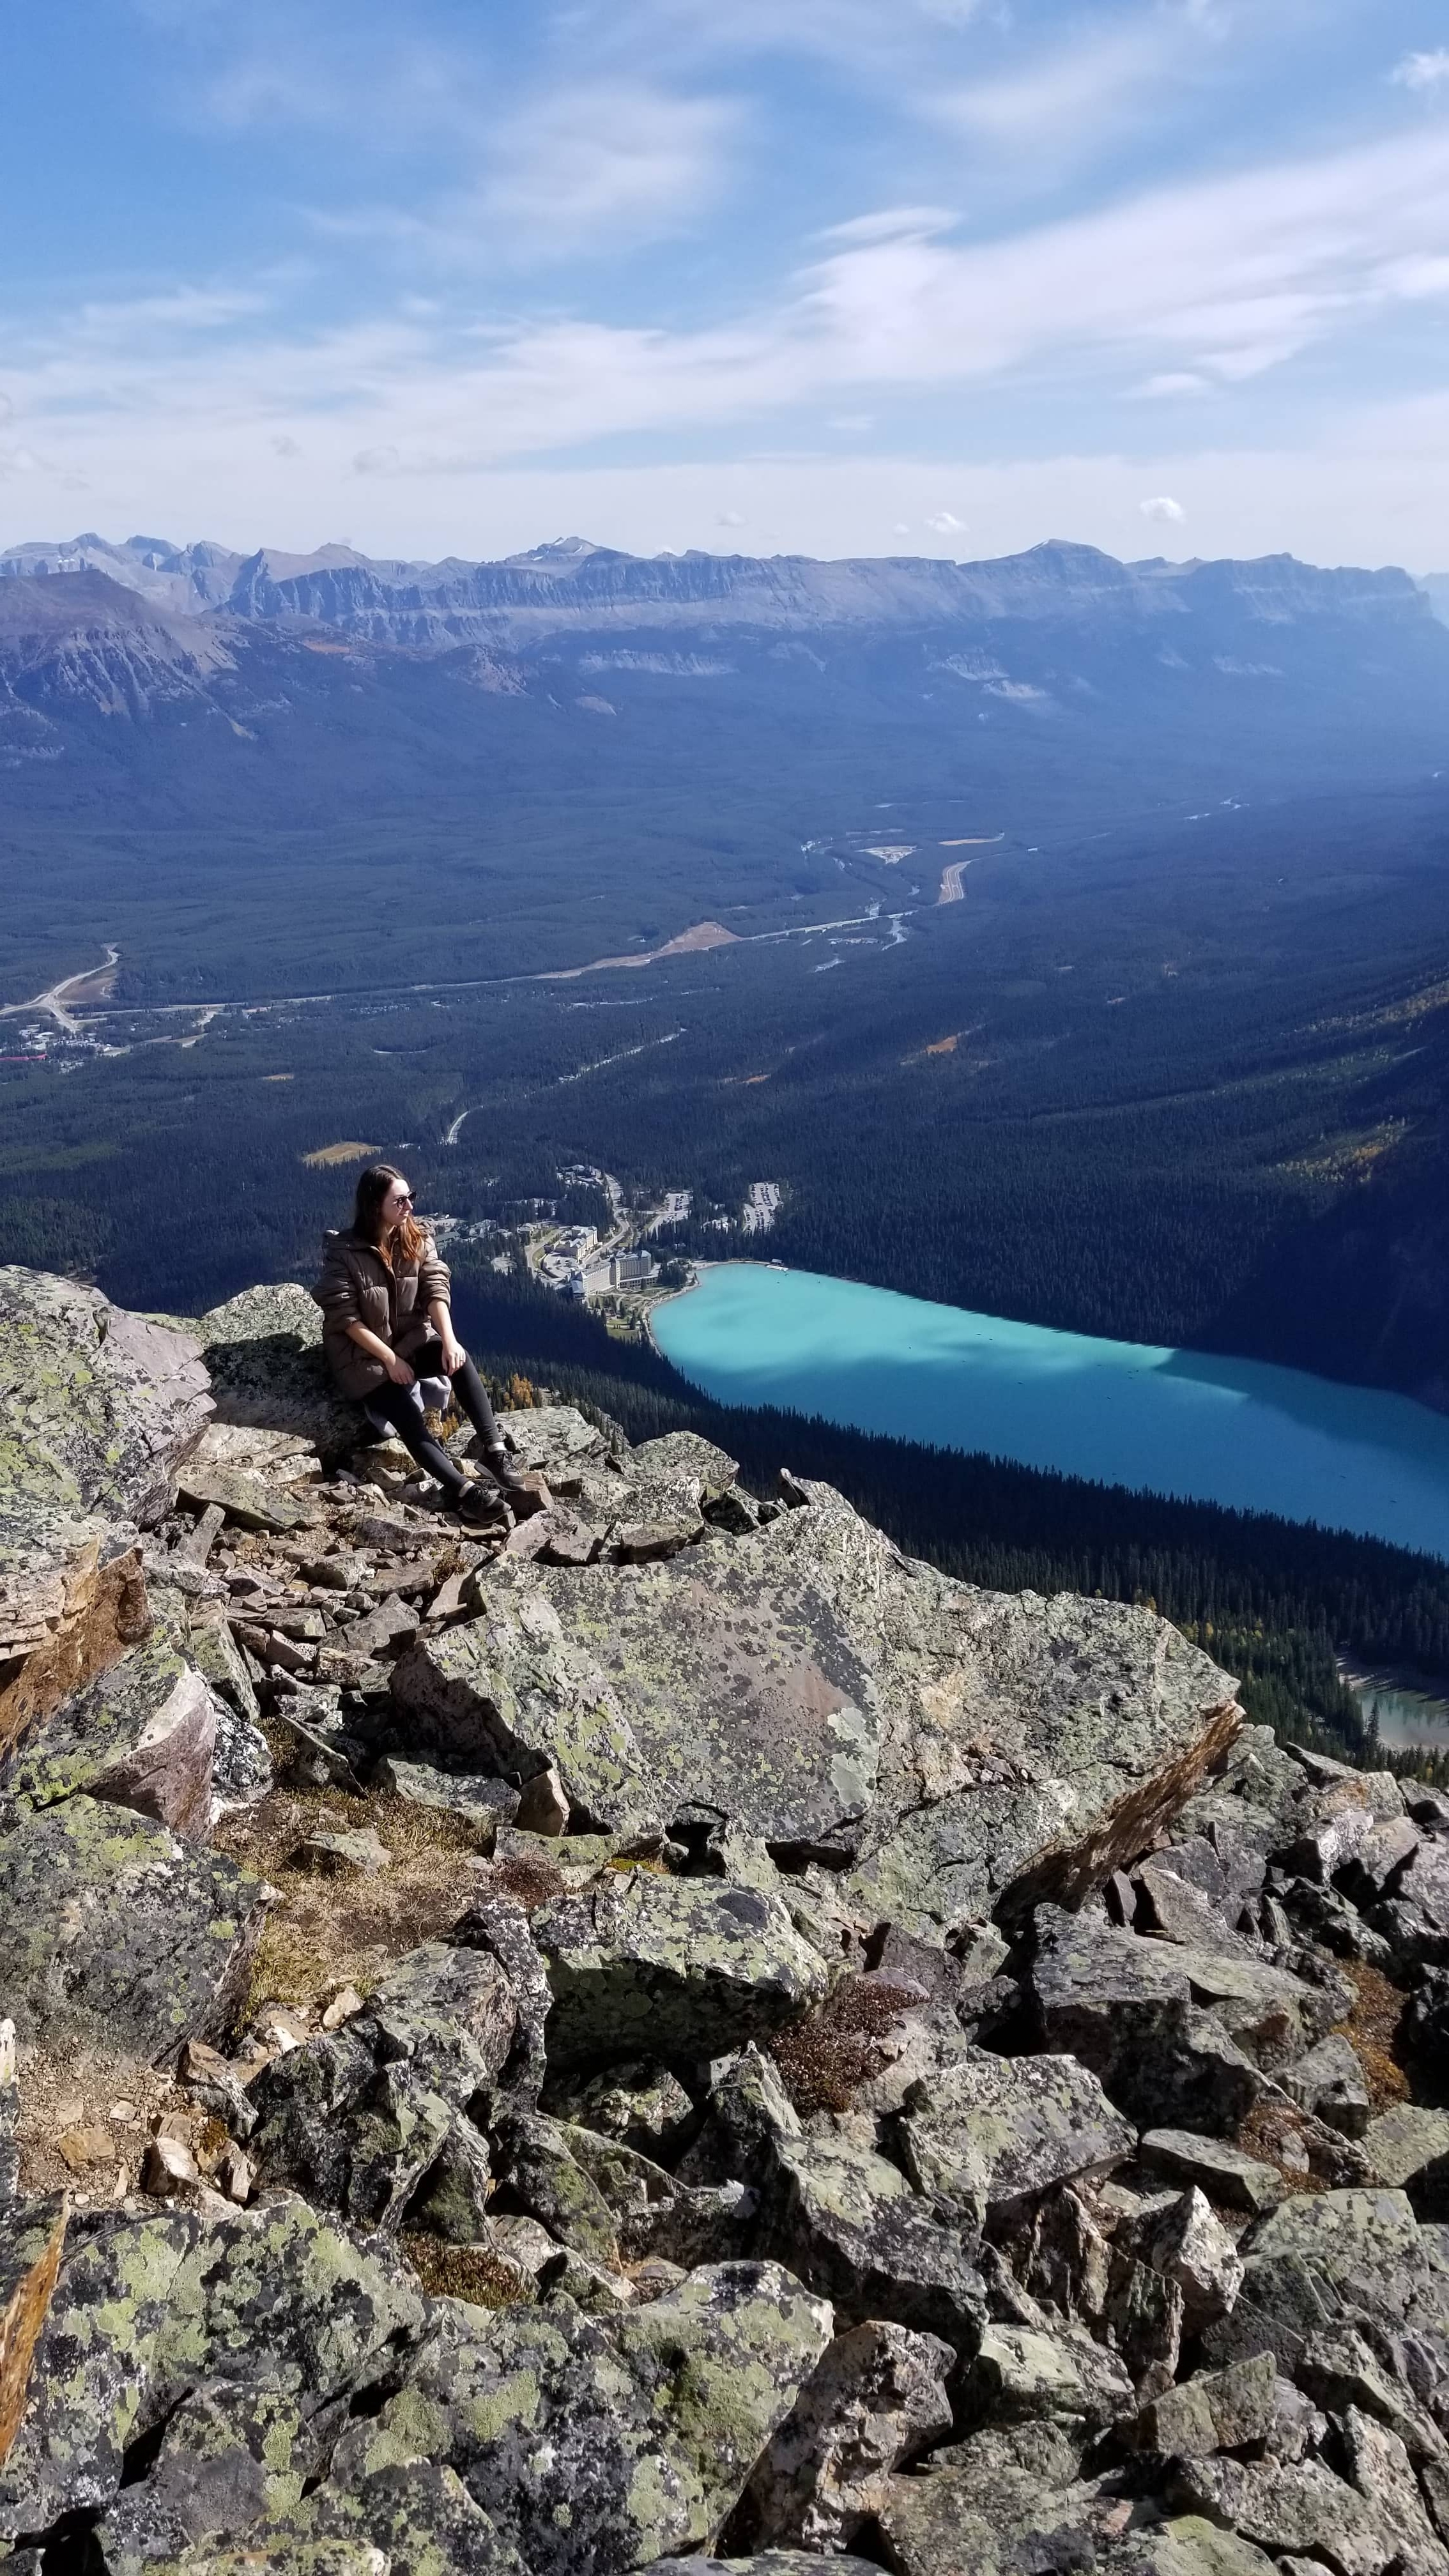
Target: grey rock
{"points": [[933, 2525], [253, 1502], [1152, 2019], [766, 2562], [846, 2220], [688, 1967], [1305, 2509], [114, 1933], [992, 2131], [1409, 2149], [875, 2401], [1216, 2410], [1022, 2375], [659, 2216], [822, 1693], [359, 2117], [1379, 2466], [642, 2105], [97, 1409], [1191, 2246], [263, 1350], [1340, 2369], [1224, 2173], [462, 1793], [1329, 2081], [1145, 2312], [99, 1406], [542, 2177]]}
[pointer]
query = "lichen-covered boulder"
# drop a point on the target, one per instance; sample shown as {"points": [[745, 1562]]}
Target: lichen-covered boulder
{"points": [[97, 1407], [846, 2219], [141, 1735], [116, 1934], [147, 2311], [687, 1967], [604, 2442], [990, 2132], [1179, 2037], [804, 1683], [263, 1350], [876, 2400], [360, 2117]]}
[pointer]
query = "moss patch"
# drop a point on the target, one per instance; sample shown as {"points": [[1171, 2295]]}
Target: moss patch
{"points": [[824, 2060]]}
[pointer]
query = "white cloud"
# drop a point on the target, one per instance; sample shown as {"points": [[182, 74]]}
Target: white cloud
{"points": [[285, 447], [944, 523], [1422, 71], [1067, 99], [1174, 380], [893, 223], [592, 165], [1217, 280], [1163, 508], [376, 460], [729, 519]]}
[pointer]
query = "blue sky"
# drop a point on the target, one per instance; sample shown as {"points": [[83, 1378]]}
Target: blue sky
{"points": [[842, 276]]}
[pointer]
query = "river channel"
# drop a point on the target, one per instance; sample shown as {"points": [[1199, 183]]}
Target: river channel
{"points": [[1231, 1431]]}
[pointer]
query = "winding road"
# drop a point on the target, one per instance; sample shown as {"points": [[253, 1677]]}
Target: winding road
{"points": [[70, 990]]}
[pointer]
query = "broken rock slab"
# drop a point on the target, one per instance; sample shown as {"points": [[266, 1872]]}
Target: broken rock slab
{"points": [[807, 1685], [97, 1409], [656, 1690], [991, 2132], [682, 1967], [877, 2399], [141, 1735]]}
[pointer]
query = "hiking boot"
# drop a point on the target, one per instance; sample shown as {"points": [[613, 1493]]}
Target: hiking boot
{"points": [[503, 1471], [478, 1502]]}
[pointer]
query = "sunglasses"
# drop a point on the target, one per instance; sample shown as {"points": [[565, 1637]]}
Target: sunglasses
{"points": [[400, 1198]]}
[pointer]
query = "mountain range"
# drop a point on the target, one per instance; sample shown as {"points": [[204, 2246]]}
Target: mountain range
{"points": [[1051, 674]]}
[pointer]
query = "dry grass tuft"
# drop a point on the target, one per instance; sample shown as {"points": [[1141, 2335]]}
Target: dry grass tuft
{"points": [[349, 1929], [823, 2061], [1373, 2029], [533, 1882], [472, 2272], [1274, 2132]]}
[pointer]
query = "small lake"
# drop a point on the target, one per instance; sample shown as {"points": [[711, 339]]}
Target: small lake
{"points": [[1229, 1431], [1407, 1712]]}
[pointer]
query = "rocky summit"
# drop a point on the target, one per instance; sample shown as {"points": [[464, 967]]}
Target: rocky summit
{"points": [[659, 2033]]}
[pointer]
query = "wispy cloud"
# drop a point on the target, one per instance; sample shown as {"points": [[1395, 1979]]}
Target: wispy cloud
{"points": [[1164, 509], [591, 166], [1058, 102], [1423, 71], [1216, 282]]}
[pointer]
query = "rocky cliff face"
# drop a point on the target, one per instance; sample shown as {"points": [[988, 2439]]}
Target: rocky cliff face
{"points": [[662, 2034]]}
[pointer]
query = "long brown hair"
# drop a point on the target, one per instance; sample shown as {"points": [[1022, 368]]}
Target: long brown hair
{"points": [[372, 1189]]}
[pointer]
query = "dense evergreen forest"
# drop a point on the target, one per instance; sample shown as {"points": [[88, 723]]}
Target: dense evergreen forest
{"points": [[1177, 1086]]}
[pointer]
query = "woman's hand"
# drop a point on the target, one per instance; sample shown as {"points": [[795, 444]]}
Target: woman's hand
{"points": [[453, 1353], [398, 1370]]}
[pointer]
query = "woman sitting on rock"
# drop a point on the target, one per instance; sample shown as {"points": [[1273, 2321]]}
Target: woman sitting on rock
{"points": [[384, 1294]]}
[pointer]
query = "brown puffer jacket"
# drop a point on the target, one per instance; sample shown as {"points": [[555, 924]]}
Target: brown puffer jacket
{"points": [[358, 1287]]}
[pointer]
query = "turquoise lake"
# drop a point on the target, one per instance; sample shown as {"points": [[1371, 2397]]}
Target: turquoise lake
{"points": [[1216, 1430]]}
